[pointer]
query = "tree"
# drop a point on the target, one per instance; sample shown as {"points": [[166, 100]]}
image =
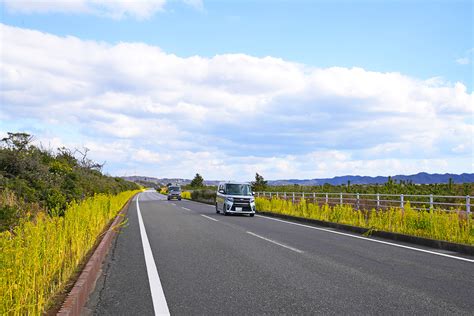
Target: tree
{"points": [[18, 141], [197, 182], [259, 184]]}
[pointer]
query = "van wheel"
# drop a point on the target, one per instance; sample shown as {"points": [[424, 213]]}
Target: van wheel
{"points": [[251, 215], [217, 210]]}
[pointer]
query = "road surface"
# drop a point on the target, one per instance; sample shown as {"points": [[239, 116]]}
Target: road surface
{"points": [[197, 262]]}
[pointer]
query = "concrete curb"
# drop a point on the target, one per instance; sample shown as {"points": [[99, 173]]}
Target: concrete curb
{"points": [[437, 244], [85, 284]]}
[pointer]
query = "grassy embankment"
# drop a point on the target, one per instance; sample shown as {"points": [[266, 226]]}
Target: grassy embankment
{"points": [[39, 257], [53, 207], [434, 224]]}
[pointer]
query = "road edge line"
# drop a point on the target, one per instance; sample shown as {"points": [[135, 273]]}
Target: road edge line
{"points": [[366, 238], [158, 296]]}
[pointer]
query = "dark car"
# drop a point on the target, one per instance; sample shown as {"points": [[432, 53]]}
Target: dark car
{"points": [[174, 192]]}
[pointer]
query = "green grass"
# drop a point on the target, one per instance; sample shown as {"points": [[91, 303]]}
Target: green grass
{"points": [[40, 256], [435, 224]]}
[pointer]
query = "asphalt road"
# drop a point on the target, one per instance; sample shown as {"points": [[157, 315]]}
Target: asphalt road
{"points": [[210, 264]]}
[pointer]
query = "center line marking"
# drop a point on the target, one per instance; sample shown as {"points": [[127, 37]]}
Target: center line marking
{"points": [[158, 296], [212, 219], [276, 243]]}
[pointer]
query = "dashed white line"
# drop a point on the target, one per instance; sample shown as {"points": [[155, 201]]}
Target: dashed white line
{"points": [[158, 296], [276, 242], [185, 208], [370, 239], [212, 219]]}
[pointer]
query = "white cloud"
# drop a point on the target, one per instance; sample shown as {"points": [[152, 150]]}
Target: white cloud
{"points": [[467, 58], [197, 4], [231, 115], [463, 61], [115, 9]]}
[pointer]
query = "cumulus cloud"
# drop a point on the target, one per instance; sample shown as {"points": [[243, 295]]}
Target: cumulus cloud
{"points": [[115, 9], [231, 115]]}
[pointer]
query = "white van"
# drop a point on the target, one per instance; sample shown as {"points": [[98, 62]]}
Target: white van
{"points": [[235, 198]]}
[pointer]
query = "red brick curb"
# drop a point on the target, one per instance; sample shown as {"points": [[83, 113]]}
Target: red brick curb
{"points": [[85, 284]]}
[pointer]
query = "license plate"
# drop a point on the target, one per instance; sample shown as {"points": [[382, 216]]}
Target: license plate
{"points": [[238, 209]]}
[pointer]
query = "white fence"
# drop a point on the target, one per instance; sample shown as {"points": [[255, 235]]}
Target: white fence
{"points": [[377, 201]]}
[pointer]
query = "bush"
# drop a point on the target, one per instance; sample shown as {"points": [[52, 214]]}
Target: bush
{"points": [[204, 195], [49, 179], [186, 195]]}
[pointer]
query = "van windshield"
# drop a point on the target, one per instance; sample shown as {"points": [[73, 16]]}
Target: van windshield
{"points": [[238, 189], [175, 188]]}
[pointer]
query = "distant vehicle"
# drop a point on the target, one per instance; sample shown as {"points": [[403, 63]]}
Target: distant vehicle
{"points": [[174, 191], [235, 198]]}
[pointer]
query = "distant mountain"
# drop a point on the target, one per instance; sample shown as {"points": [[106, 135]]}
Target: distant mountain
{"points": [[165, 181], [419, 178]]}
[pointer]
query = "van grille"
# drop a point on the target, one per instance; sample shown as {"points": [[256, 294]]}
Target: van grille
{"points": [[243, 203]]}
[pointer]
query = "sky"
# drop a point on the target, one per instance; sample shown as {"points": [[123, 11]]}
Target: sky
{"points": [[288, 89]]}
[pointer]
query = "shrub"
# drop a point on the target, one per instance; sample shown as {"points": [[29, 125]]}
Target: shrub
{"points": [[203, 195], [186, 195]]}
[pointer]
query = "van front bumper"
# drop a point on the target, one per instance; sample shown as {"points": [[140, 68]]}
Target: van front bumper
{"points": [[240, 209]]}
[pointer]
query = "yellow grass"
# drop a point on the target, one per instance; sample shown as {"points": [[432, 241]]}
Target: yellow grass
{"points": [[186, 195], [435, 224], [38, 258]]}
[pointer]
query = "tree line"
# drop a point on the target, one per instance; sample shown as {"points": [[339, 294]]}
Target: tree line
{"points": [[390, 187]]}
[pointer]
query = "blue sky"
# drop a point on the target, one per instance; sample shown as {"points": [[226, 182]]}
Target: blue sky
{"points": [[418, 38], [290, 89]]}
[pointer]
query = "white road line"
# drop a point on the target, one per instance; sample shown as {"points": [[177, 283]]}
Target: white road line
{"points": [[370, 239], [173, 204], [158, 296], [276, 243], [212, 219], [185, 208]]}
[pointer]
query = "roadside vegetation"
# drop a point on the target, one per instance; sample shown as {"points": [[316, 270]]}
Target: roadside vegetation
{"points": [[435, 224], [390, 187], [186, 195], [53, 207], [35, 180], [39, 257]]}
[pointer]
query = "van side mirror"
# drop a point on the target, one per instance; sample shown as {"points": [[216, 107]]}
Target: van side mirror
{"points": [[253, 193], [221, 191]]}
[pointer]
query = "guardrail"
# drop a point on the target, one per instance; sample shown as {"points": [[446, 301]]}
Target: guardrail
{"points": [[377, 201]]}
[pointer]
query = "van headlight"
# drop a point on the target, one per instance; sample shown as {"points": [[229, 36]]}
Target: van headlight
{"points": [[229, 199]]}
